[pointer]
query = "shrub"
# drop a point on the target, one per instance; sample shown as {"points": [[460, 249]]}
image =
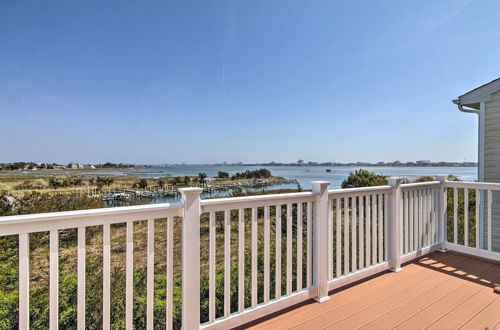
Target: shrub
{"points": [[142, 184], [425, 178], [222, 175], [257, 174], [59, 182], [36, 202], [5, 207], [40, 184], [363, 178], [5, 187]]}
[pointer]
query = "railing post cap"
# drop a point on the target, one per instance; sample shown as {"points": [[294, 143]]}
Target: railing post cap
{"points": [[320, 182], [190, 191], [441, 177], [318, 185], [394, 181]]}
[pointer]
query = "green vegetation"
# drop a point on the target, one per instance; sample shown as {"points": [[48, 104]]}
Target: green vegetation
{"points": [[141, 184], [114, 165], [461, 213], [64, 182], [100, 182], [202, 178], [35, 202], [257, 174], [222, 175], [18, 184], [363, 178], [425, 178], [4, 187], [25, 165]]}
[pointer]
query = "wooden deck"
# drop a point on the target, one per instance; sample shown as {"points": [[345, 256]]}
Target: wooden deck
{"points": [[441, 291]]}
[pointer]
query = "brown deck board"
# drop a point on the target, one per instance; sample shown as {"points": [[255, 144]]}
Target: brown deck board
{"points": [[435, 311], [341, 298], [472, 306], [382, 307], [441, 291], [414, 306], [333, 316], [486, 318]]}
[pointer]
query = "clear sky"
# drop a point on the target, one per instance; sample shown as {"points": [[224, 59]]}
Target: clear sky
{"points": [[213, 80]]}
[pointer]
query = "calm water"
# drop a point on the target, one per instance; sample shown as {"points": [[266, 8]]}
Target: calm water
{"points": [[305, 174]]}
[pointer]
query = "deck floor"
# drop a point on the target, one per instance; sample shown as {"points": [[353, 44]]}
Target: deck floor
{"points": [[440, 291]]}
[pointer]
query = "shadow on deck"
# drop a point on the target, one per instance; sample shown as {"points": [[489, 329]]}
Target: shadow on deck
{"points": [[439, 291]]}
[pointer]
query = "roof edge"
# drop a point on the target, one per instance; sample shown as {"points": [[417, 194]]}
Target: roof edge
{"points": [[479, 94]]}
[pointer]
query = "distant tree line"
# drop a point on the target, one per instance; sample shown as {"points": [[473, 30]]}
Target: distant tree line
{"points": [[257, 174], [25, 165], [114, 165]]}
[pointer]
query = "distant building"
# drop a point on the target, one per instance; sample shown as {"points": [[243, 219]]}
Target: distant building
{"points": [[76, 165], [423, 162]]}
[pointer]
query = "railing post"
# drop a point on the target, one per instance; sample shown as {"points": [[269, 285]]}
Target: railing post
{"points": [[442, 215], [394, 224], [191, 258], [320, 240]]}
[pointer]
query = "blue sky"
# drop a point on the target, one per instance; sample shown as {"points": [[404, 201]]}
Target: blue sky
{"points": [[212, 81]]}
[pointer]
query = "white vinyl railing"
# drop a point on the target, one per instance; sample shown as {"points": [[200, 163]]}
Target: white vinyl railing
{"points": [[419, 214], [272, 251], [470, 215], [286, 223], [54, 222], [357, 231]]}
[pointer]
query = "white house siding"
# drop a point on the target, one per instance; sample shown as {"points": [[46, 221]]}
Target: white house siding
{"points": [[492, 161]]}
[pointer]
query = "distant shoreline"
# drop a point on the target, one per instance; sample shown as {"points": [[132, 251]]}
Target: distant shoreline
{"points": [[411, 164], [20, 166]]}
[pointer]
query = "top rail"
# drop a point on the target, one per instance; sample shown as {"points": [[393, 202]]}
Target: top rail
{"points": [[31, 223], [472, 185], [358, 191], [419, 185], [219, 204]]}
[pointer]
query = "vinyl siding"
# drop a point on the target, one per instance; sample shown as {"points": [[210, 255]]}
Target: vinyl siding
{"points": [[492, 161]]}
